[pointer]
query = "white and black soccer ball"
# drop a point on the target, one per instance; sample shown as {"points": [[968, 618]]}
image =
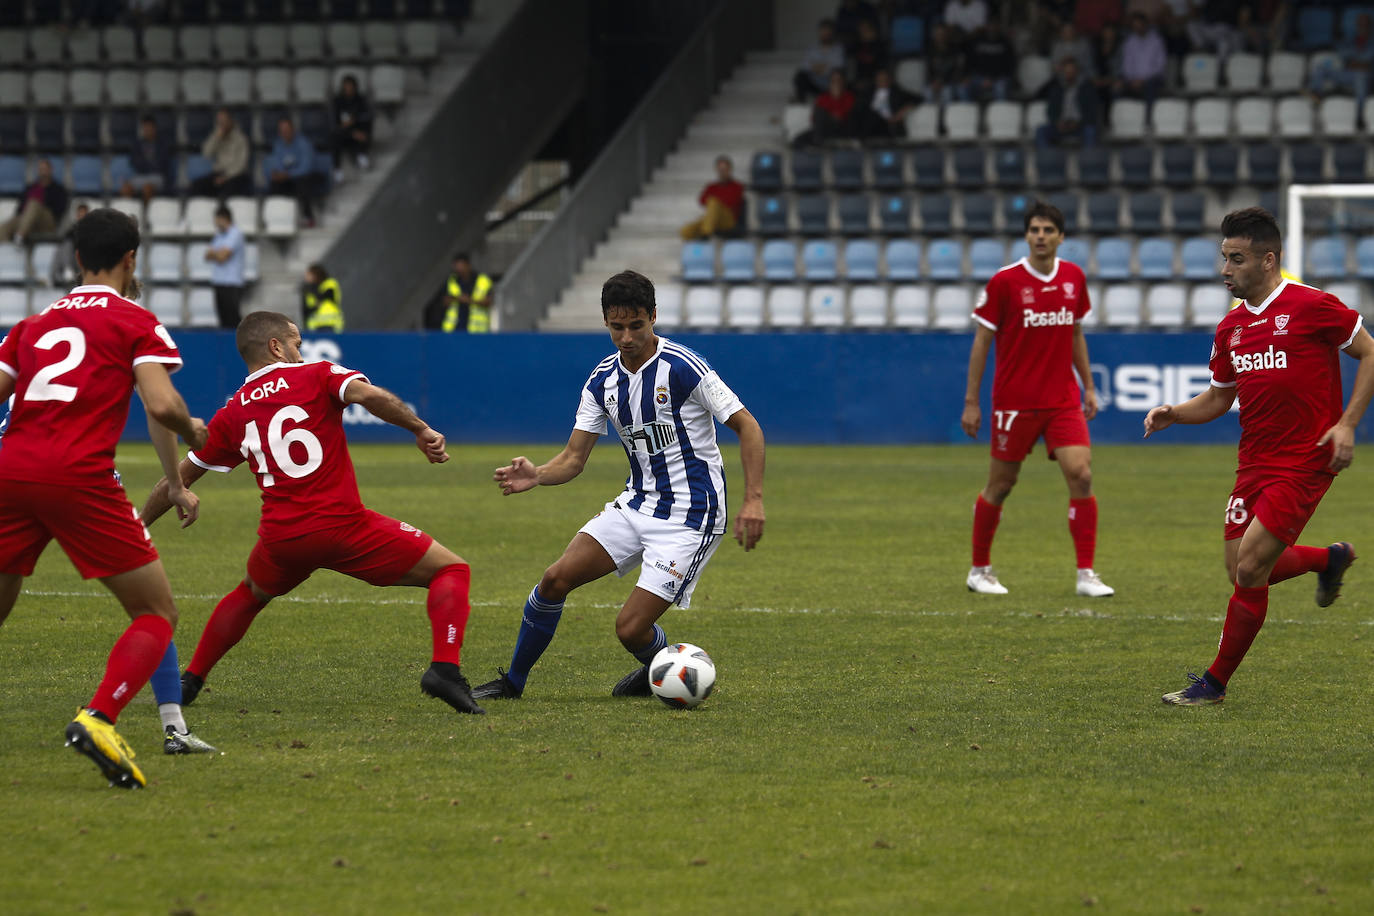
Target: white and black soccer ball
{"points": [[682, 675]]}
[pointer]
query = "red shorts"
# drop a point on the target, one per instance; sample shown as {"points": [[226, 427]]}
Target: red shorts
{"points": [[374, 548], [95, 524], [1014, 431], [1283, 499]]}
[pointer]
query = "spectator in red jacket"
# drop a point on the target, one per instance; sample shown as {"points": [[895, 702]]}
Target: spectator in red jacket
{"points": [[723, 200], [833, 114]]}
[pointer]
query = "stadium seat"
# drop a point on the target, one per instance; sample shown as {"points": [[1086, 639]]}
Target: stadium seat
{"points": [[779, 260], [770, 216], [49, 131], [825, 306], [937, 214], [806, 171], [1254, 117], [1326, 258], [1364, 258], [1348, 161], [345, 41], [167, 303], [1068, 203], [1094, 167], [1208, 304], [47, 88], [889, 167], [1352, 294], [1033, 73], [1113, 258], [159, 45], [1156, 259], [1243, 71], [307, 41], [199, 217], [911, 307], [14, 305], [911, 75], [929, 165], [13, 176], [310, 84], [1147, 212], [813, 214], [796, 120], [421, 40], [14, 264], [1316, 27], [855, 214], [1294, 117], [1076, 251], [1307, 162], [46, 47], [861, 260], [1188, 208], [14, 84], [273, 85], [986, 257], [698, 262], [1128, 119], [1337, 114], [1004, 121], [1179, 161], [87, 175], [953, 308], [923, 123], [1014, 207], [1201, 259], [980, 211], [894, 214], [1104, 211], [945, 260], [765, 172], [122, 87], [868, 306], [166, 262], [1051, 168], [1286, 71], [970, 168], [198, 269], [84, 127], [702, 307], [252, 262], [85, 88], [668, 303], [786, 307], [164, 217], [1169, 119], [1222, 162], [120, 45], [231, 43], [1019, 249], [279, 217], [236, 86], [737, 261], [1165, 305], [1211, 118], [1137, 164], [903, 260], [14, 130], [161, 89], [847, 169], [1201, 73], [1037, 115], [382, 40], [271, 42], [908, 36], [820, 261], [1009, 167], [744, 307], [1121, 306], [198, 87], [1262, 164]]}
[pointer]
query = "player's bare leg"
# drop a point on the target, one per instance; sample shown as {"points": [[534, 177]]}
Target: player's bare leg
{"points": [[10, 586], [987, 512], [584, 560], [448, 578], [1075, 463], [636, 626]]}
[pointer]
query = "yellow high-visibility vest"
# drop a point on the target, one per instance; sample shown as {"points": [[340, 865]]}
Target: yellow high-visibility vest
{"points": [[322, 306], [479, 313]]}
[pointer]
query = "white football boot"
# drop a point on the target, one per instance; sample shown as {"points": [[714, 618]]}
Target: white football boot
{"points": [[983, 580], [1090, 585]]}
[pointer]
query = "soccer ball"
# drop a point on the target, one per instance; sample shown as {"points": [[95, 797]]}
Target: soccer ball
{"points": [[682, 675]]}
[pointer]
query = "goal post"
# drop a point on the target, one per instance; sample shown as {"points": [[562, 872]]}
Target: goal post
{"points": [[1297, 194]]}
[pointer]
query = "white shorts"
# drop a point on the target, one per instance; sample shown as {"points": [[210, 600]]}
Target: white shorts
{"points": [[671, 555]]}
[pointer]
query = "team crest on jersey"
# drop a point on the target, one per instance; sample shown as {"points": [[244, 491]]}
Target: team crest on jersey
{"points": [[338, 370], [661, 395], [1235, 338], [1068, 290], [1027, 296], [406, 527], [1281, 324]]}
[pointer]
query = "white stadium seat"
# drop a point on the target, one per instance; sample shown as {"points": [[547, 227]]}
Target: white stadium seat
{"points": [[786, 307], [744, 307], [1004, 121], [197, 45], [383, 40], [198, 87], [86, 87], [421, 40], [1209, 304], [1287, 71], [311, 84], [14, 305], [161, 87], [247, 214], [703, 307], [1294, 116], [279, 217], [1128, 119], [200, 305], [1254, 117], [388, 84], [164, 217], [1337, 115], [868, 306], [197, 268], [953, 308], [1166, 305], [1243, 71], [1033, 72], [200, 216], [159, 44], [345, 41], [1201, 73], [668, 303], [121, 45], [122, 88], [47, 88], [270, 43], [911, 74], [825, 304], [1211, 117], [231, 43], [166, 262], [236, 86], [911, 306], [166, 303], [1169, 119], [1121, 307], [307, 41], [923, 123], [273, 85]]}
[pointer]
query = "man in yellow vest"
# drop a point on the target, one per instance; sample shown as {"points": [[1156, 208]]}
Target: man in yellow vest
{"points": [[468, 297], [322, 300]]}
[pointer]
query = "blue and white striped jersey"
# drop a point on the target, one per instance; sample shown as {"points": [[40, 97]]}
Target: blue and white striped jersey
{"points": [[663, 415]]}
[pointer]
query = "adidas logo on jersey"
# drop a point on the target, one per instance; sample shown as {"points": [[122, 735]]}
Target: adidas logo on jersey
{"points": [[1033, 319], [1269, 359]]}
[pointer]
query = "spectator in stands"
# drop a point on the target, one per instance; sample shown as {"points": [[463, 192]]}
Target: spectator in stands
{"points": [[833, 115], [226, 253], [1144, 61], [321, 301], [1351, 71], [39, 209], [152, 160], [290, 168], [825, 57], [64, 271], [1073, 109], [469, 299], [991, 63], [885, 111], [945, 67], [228, 151], [964, 17], [722, 201], [867, 57], [352, 132], [848, 18], [1213, 26], [1071, 44], [1106, 63]]}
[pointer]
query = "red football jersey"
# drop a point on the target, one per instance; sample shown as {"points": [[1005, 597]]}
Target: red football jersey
{"points": [[1033, 316], [287, 423], [73, 370], [1283, 359]]}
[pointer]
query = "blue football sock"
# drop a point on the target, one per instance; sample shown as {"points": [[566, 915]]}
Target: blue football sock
{"points": [[537, 627], [166, 680], [646, 655]]}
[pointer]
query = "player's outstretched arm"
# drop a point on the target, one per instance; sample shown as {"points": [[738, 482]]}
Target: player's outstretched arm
{"points": [[972, 417], [384, 405], [749, 519], [521, 474], [1204, 408], [159, 501], [1342, 436], [1083, 366]]}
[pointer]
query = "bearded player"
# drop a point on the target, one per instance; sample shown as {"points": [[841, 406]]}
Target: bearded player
{"points": [[287, 422], [1034, 310], [1279, 355]]}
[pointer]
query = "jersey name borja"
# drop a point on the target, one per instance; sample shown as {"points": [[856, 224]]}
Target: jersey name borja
{"points": [[1283, 359], [663, 415], [1033, 316], [73, 367], [287, 423]]}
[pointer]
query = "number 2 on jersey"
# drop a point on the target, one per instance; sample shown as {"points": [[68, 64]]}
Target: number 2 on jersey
{"points": [[44, 386], [279, 444], [1002, 419]]}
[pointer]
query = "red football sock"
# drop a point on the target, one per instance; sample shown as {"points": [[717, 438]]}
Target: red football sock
{"points": [[1298, 560], [1083, 529], [1244, 617], [233, 616], [133, 660], [448, 609], [985, 519]]}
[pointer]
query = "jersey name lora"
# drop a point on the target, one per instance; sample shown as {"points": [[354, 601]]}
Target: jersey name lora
{"points": [[1033, 319], [1269, 359], [270, 387], [81, 302]]}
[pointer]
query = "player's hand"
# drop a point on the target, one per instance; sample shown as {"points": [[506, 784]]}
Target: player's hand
{"points": [[1342, 441], [971, 420], [432, 443], [749, 523], [1090, 405], [1161, 417], [187, 503], [517, 477], [199, 434]]}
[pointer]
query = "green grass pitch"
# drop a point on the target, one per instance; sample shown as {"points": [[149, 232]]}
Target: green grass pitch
{"points": [[880, 740]]}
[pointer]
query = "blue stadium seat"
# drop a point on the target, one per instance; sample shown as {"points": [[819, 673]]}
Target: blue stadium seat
{"points": [[1113, 258], [1307, 160], [1019, 249], [889, 166], [861, 259], [765, 172], [1067, 202], [945, 259], [737, 261], [1348, 161], [87, 175], [904, 260], [1223, 165], [986, 257], [1051, 168], [1364, 258], [1326, 257], [1104, 211], [14, 130], [854, 211], [1009, 167], [1201, 258], [770, 215], [1137, 166], [779, 260], [847, 169], [1147, 212], [1014, 207], [936, 213], [813, 214], [12, 174], [979, 212], [895, 214], [1094, 167], [928, 163], [698, 262], [908, 36], [197, 166], [1180, 165], [1316, 27], [820, 261], [1075, 251], [1156, 259], [1263, 162], [806, 171], [970, 167], [1188, 207]]}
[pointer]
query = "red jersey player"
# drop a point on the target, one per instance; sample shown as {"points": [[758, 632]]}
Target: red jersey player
{"points": [[1277, 354], [1034, 310], [71, 369], [287, 423]]}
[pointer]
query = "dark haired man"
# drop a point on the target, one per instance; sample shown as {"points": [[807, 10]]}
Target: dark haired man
{"points": [[71, 369], [312, 515], [1034, 310], [662, 399], [227, 252], [1279, 354]]}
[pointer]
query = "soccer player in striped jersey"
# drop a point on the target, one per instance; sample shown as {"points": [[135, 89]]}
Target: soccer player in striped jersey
{"points": [[662, 400]]}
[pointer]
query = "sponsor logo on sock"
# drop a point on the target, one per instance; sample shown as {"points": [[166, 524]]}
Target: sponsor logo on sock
{"points": [[452, 634], [121, 690]]}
